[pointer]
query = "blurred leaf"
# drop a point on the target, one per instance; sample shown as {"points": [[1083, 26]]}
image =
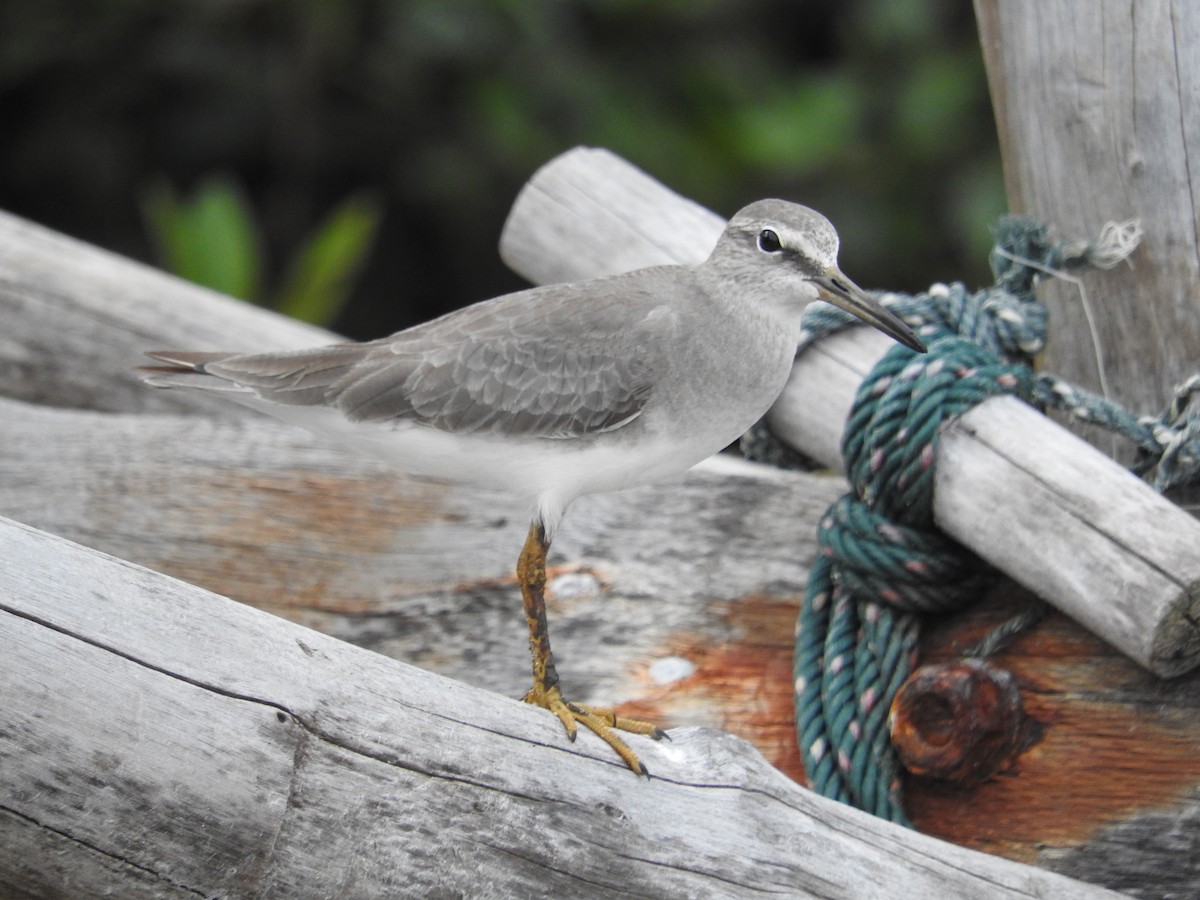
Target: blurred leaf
{"points": [[934, 103], [321, 273], [210, 239], [978, 200], [800, 129]]}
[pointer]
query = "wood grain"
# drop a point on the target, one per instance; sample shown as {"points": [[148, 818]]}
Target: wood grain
{"points": [[168, 742], [1096, 110]]}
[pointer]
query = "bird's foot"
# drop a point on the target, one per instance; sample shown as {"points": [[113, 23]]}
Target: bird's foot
{"points": [[600, 719]]}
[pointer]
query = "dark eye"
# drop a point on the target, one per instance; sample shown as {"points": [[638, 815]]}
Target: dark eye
{"points": [[768, 241]]}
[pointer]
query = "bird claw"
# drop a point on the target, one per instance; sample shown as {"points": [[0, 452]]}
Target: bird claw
{"points": [[601, 720]]}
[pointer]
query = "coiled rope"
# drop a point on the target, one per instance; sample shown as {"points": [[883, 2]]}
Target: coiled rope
{"points": [[882, 561]]}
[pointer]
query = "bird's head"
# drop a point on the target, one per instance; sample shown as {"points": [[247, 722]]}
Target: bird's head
{"points": [[794, 250]]}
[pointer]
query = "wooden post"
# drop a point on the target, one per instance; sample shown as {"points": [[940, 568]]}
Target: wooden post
{"points": [[1132, 575], [1098, 120]]}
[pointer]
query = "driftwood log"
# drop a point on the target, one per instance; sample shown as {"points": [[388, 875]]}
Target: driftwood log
{"points": [[162, 741], [1127, 567]]}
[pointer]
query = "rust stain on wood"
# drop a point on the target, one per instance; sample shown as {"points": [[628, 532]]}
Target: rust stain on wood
{"points": [[284, 542], [1115, 740], [743, 686]]}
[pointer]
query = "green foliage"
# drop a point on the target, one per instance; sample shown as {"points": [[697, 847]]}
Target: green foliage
{"points": [[874, 111], [212, 239], [322, 272]]}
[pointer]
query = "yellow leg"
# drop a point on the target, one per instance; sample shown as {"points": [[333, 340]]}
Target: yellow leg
{"points": [[531, 575]]}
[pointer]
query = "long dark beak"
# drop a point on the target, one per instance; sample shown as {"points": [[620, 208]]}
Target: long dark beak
{"points": [[844, 293]]}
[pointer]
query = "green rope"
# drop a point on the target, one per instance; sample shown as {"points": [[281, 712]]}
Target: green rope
{"points": [[882, 561], [882, 564]]}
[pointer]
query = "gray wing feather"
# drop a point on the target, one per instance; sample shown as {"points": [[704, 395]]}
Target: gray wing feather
{"points": [[294, 378], [497, 367], [515, 386]]}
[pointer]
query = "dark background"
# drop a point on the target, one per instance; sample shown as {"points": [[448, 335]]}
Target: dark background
{"points": [[873, 111]]}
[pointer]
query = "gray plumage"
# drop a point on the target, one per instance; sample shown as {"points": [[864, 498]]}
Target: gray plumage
{"points": [[567, 389], [501, 367], [677, 360]]}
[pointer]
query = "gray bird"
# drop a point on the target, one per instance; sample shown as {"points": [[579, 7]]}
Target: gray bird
{"points": [[567, 389]]}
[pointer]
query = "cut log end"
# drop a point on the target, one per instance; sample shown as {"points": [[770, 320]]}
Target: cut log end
{"points": [[1176, 646]]}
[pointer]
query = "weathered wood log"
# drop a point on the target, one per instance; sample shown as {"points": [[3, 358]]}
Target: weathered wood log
{"points": [[421, 572], [569, 204], [162, 741], [1097, 116], [78, 320], [1074, 527], [640, 582], [1133, 575]]}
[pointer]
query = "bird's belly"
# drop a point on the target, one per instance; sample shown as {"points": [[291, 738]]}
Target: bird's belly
{"points": [[526, 467], [533, 467]]}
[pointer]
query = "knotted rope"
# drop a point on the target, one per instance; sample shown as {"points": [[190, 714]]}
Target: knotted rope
{"points": [[882, 561]]}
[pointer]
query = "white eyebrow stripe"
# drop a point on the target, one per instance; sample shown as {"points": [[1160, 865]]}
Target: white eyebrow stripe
{"points": [[803, 246], [800, 244]]}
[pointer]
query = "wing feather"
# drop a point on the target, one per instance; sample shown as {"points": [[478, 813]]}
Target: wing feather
{"points": [[556, 368]]}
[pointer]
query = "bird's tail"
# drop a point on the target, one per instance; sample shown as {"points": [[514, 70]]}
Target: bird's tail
{"points": [[185, 368]]}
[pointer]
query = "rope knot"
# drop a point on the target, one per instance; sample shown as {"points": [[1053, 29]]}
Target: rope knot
{"points": [[1174, 458], [882, 562], [890, 440], [910, 569]]}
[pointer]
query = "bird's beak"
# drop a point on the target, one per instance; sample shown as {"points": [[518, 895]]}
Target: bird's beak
{"points": [[844, 293]]}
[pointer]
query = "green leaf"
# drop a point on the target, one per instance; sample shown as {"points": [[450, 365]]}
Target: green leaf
{"points": [[933, 101], [320, 276], [802, 127], [210, 239]]}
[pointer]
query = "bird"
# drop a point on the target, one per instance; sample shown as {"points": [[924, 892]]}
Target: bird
{"points": [[563, 390]]}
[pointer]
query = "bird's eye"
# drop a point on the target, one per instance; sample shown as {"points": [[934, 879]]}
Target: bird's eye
{"points": [[768, 241]]}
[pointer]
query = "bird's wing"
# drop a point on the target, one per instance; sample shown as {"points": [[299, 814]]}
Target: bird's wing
{"points": [[551, 369]]}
